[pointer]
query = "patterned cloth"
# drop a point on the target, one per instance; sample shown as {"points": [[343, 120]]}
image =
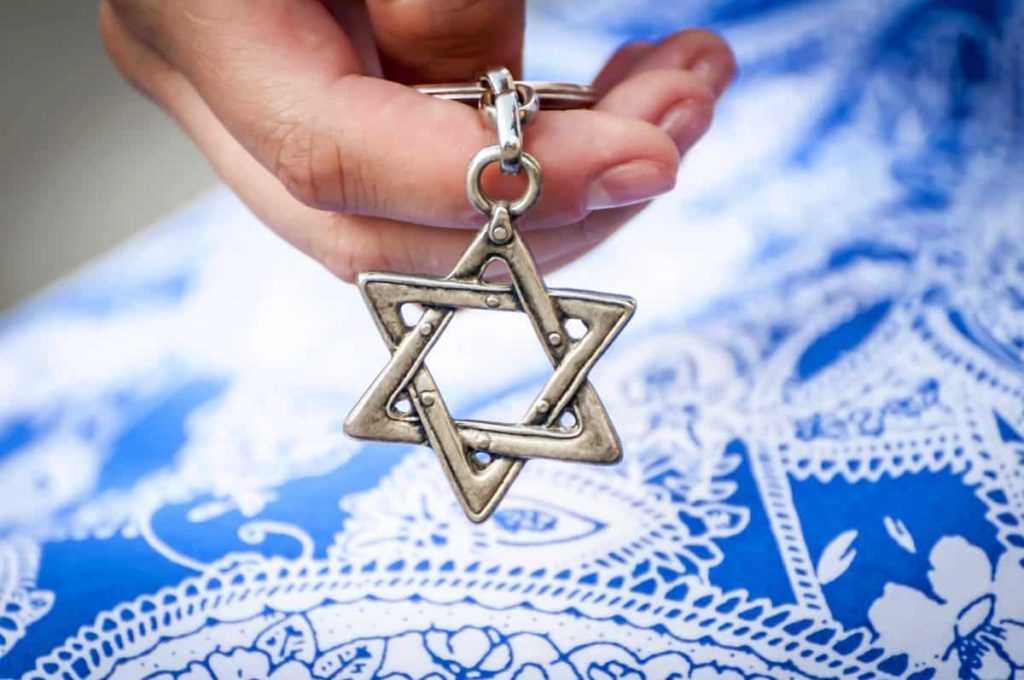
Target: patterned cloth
{"points": [[821, 402]]}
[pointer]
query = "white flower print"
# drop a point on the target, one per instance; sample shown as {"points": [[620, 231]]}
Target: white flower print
{"points": [[972, 624]]}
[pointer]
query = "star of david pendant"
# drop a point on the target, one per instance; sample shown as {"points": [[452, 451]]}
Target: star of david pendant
{"points": [[592, 439]]}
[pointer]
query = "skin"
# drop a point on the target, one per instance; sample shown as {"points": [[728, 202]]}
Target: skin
{"points": [[302, 107]]}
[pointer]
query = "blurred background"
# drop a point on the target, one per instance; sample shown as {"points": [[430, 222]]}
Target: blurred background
{"points": [[86, 160]]}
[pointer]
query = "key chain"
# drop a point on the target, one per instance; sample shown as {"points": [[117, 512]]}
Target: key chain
{"points": [[480, 485]]}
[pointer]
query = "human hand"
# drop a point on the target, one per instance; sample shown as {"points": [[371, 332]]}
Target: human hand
{"points": [[301, 106]]}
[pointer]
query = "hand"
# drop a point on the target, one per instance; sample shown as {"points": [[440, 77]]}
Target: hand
{"points": [[301, 106]]}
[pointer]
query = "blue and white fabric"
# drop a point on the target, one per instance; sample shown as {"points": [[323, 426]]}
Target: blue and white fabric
{"points": [[821, 402]]}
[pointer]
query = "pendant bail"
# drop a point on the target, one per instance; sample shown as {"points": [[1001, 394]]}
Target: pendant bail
{"points": [[499, 227], [484, 203]]}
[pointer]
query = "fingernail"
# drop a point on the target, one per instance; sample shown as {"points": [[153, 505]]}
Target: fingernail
{"points": [[629, 183], [717, 73], [684, 123]]}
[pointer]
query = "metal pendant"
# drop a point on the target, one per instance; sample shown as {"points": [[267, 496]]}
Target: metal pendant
{"points": [[591, 439]]}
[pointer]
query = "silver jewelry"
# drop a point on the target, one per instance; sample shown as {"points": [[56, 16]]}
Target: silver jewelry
{"points": [[591, 438], [549, 95]]}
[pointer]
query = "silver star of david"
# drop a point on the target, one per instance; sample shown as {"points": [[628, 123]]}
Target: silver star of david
{"points": [[480, 486]]}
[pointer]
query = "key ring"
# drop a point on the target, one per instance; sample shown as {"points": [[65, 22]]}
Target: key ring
{"points": [[551, 96]]}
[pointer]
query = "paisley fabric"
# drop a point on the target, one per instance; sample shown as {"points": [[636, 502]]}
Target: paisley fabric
{"points": [[821, 402]]}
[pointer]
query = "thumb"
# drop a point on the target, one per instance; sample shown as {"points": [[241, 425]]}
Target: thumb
{"points": [[439, 40]]}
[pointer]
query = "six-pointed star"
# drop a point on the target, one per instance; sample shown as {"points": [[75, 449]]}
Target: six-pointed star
{"points": [[480, 487]]}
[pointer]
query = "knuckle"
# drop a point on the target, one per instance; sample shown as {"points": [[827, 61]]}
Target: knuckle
{"points": [[319, 168], [297, 165], [292, 149]]}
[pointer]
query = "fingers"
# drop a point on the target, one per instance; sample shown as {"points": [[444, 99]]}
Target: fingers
{"points": [[423, 41], [697, 51], [638, 100], [660, 84], [620, 65], [344, 244], [280, 76], [679, 102], [673, 85], [378, 149]]}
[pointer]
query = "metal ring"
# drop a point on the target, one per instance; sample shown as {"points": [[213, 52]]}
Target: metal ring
{"points": [[498, 80], [529, 105], [551, 96], [480, 200]]}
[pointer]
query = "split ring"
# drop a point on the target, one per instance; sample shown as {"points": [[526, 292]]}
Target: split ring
{"points": [[550, 96]]}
